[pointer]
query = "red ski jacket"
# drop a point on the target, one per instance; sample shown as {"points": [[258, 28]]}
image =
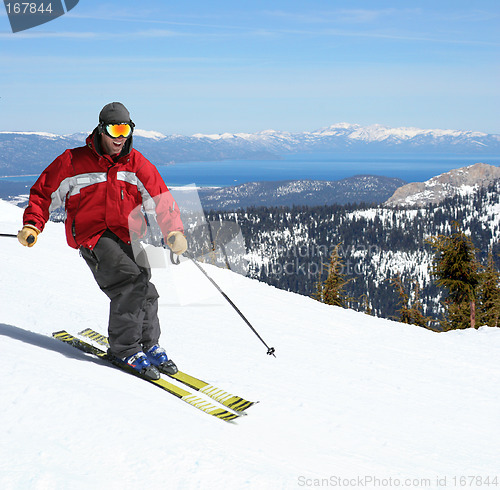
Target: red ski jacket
{"points": [[101, 193]]}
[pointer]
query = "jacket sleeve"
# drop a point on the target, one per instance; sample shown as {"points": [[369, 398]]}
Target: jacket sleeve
{"points": [[48, 192], [156, 198]]}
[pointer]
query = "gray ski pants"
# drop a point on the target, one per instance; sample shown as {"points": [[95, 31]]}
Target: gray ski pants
{"points": [[133, 314]]}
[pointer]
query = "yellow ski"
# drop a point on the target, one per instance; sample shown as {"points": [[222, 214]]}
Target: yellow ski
{"points": [[233, 402], [181, 393]]}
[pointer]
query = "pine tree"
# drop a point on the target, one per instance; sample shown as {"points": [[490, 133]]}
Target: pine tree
{"points": [[456, 268], [318, 291], [489, 294], [364, 303], [410, 311], [331, 291], [404, 300]]}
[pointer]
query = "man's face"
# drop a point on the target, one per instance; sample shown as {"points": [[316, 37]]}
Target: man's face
{"points": [[112, 146]]}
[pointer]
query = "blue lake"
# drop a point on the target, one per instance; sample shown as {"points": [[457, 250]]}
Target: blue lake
{"points": [[411, 167]]}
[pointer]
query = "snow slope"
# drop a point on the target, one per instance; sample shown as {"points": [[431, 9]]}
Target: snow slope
{"points": [[348, 397]]}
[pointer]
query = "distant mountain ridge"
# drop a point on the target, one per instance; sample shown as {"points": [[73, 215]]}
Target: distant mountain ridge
{"points": [[360, 188], [345, 135], [460, 181], [30, 152]]}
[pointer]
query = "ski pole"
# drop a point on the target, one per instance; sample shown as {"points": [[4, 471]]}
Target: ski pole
{"points": [[30, 239], [270, 350]]}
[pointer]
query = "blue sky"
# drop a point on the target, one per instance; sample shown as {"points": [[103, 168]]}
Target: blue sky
{"points": [[225, 66]]}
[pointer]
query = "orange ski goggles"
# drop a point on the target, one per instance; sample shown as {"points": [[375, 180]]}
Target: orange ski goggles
{"points": [[117, 130]]}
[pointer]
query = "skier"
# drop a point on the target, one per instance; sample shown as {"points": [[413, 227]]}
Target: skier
{"points": [[101, 184]]}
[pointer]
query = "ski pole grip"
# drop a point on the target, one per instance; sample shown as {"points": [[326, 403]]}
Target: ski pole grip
{"points": [[30, 239]]}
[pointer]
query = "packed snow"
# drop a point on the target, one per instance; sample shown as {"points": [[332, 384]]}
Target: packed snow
{"points": [[350, 400]]}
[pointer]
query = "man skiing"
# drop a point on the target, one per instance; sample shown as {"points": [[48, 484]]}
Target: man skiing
{"points": [[102, 184]]}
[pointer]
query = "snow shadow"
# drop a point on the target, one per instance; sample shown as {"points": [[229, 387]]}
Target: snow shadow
{"points": [[44, 342]]}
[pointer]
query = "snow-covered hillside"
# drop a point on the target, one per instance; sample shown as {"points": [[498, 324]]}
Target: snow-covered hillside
{"points": [[348, 397]]}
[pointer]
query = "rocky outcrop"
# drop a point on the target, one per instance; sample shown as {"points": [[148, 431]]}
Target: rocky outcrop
{"points": [[457, 181]]}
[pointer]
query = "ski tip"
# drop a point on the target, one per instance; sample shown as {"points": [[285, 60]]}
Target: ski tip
{"points": [[227, 416], [242, 406]]}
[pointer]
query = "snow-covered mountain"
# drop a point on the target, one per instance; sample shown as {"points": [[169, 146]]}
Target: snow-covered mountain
{"points": [[30, 152], [457, 181], [351, 400], [360, 188], [350, 135]]}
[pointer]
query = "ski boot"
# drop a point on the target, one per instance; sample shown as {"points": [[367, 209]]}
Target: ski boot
{"points": [[140, 363], [158, 357]]}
